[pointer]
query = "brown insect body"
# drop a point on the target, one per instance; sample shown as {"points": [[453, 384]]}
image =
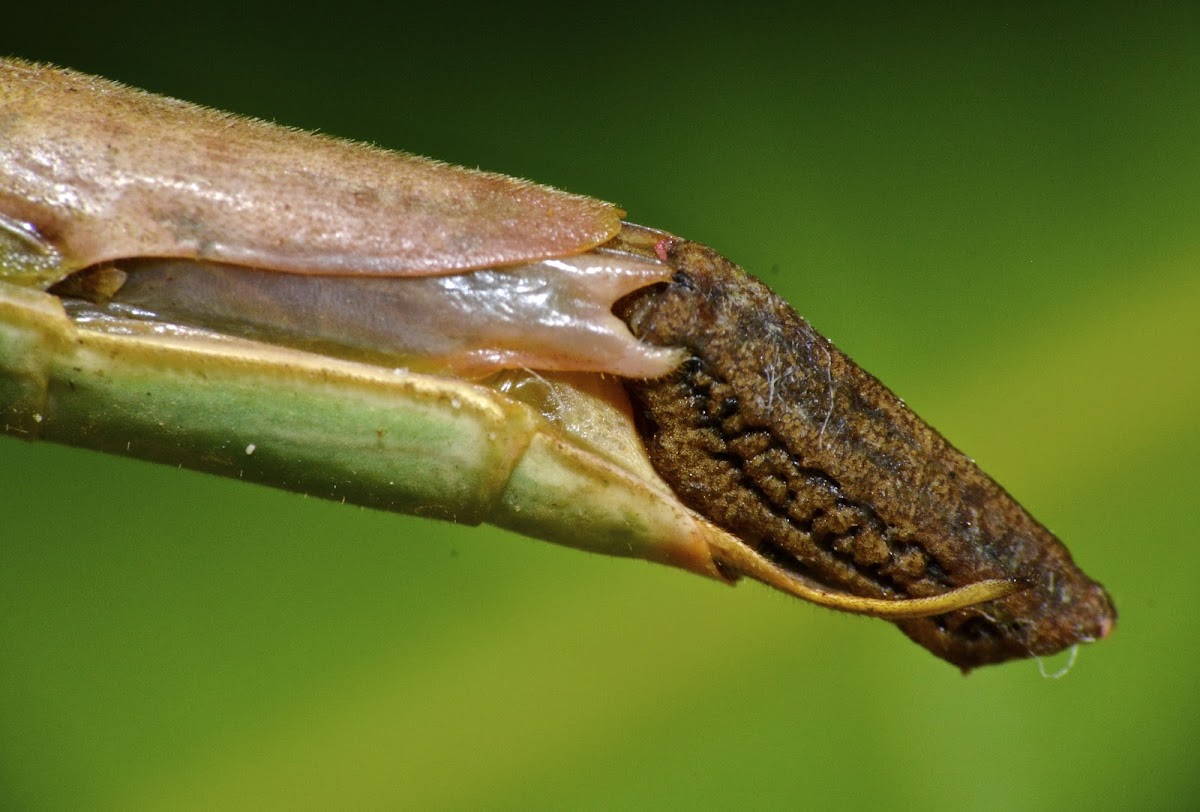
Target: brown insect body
{"points": [[778, 437]]}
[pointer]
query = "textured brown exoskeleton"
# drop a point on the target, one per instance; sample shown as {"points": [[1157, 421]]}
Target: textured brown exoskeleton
{"points": [[774, 434]]}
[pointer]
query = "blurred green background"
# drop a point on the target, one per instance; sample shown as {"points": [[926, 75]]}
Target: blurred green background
{"points": [[995, 212]]}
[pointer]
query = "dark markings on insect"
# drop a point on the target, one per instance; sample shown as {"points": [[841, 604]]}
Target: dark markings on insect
{"points": [[775, 435]]}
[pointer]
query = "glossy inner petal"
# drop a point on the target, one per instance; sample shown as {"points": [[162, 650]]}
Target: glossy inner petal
{"points": [[550, 315]]}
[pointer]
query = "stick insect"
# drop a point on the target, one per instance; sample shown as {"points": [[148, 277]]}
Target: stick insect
{"points": [[199, 289]]}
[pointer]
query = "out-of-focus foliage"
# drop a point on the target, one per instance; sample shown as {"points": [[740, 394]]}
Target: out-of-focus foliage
{"points": [[997, 214]]}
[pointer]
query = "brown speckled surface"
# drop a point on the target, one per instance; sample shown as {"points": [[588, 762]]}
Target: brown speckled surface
{"points": [[774, 434]]}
